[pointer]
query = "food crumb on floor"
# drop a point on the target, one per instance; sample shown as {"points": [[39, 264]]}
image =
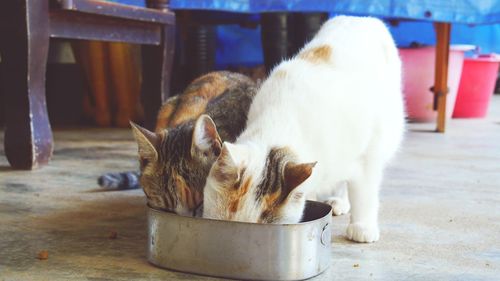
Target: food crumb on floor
{"points": [[43, 255], [113, 235], [356, 265]]}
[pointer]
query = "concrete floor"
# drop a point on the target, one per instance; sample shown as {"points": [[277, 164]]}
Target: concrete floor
{"points": [[440, 212]]}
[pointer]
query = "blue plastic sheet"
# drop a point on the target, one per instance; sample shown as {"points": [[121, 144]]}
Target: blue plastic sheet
{"points": [[140, 3], [236, 45], [486, 37], [456, 11], [459, 11]]}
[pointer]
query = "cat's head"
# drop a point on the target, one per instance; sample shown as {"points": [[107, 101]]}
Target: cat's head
{"points": [[174, 164], [253, 185]]}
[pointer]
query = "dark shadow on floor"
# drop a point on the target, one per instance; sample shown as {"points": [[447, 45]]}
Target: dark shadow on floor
{"points": [[103, 189], [5, 168], [423, 130]]}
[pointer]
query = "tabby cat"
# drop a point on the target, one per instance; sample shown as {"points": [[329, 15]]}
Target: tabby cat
{"points": [[182, 108], [176, 158], [333, 113]]}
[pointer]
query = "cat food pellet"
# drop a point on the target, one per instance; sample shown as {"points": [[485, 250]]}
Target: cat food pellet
{"points": [[356, 265], [43, 255], [113, 235]]}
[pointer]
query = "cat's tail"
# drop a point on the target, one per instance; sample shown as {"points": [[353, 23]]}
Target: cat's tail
{"points": [[123, 180]]}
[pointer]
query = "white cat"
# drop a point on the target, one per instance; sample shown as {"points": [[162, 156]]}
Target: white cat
{"points": [[334, 113]]}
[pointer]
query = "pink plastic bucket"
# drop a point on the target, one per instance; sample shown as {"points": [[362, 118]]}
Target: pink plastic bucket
{"points": [[418, 78], [476, 86]]}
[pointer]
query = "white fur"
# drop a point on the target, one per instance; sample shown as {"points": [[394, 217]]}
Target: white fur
{"points": [[347, 114]]}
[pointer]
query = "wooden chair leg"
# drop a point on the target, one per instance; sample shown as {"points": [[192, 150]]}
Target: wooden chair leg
{"points": [[24, 47], [441, 73], [156, 70]]}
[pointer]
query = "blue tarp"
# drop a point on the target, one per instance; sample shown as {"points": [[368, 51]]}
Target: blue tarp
{"points": [[486, 37], [459, 11], [236, 45], [140, 3]]}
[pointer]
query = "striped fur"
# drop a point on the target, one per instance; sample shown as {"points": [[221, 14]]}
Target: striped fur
{"points": [[175, 161], [188, 106], [280, 177], [232, 193], [123, 180], [194, 100]]}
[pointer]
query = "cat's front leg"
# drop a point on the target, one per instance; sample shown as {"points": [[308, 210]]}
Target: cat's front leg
{"points": [[363, 195]]}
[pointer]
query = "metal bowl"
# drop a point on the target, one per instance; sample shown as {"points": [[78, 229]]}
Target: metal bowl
{"points": [[242, 250]]}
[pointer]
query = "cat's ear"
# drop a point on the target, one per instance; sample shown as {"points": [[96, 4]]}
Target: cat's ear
{"points": [[225, 170], [294, 175], [227, 154], [147, 141], [205, 139]]}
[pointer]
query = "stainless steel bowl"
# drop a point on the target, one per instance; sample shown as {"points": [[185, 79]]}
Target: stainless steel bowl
{"points": [[242, 250]]}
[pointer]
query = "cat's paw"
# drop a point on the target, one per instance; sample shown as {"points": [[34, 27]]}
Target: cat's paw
{"points": [[339, 205], [363, 233]]}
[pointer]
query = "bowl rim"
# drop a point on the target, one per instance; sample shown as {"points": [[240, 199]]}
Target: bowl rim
{"points": [[169, 213]]}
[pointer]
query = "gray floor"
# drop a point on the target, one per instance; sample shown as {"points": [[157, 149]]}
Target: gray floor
{"points": [[440, 214]]}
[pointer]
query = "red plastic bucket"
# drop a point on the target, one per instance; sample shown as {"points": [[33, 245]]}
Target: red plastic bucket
{"points": [[418, 78], [476, 87]]}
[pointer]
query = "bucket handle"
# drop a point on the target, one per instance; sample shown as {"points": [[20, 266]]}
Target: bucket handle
{"points": [[325, 235]]}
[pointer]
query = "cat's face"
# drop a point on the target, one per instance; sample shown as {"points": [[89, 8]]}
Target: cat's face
{"points": [[249, 185], [174, 164]]}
